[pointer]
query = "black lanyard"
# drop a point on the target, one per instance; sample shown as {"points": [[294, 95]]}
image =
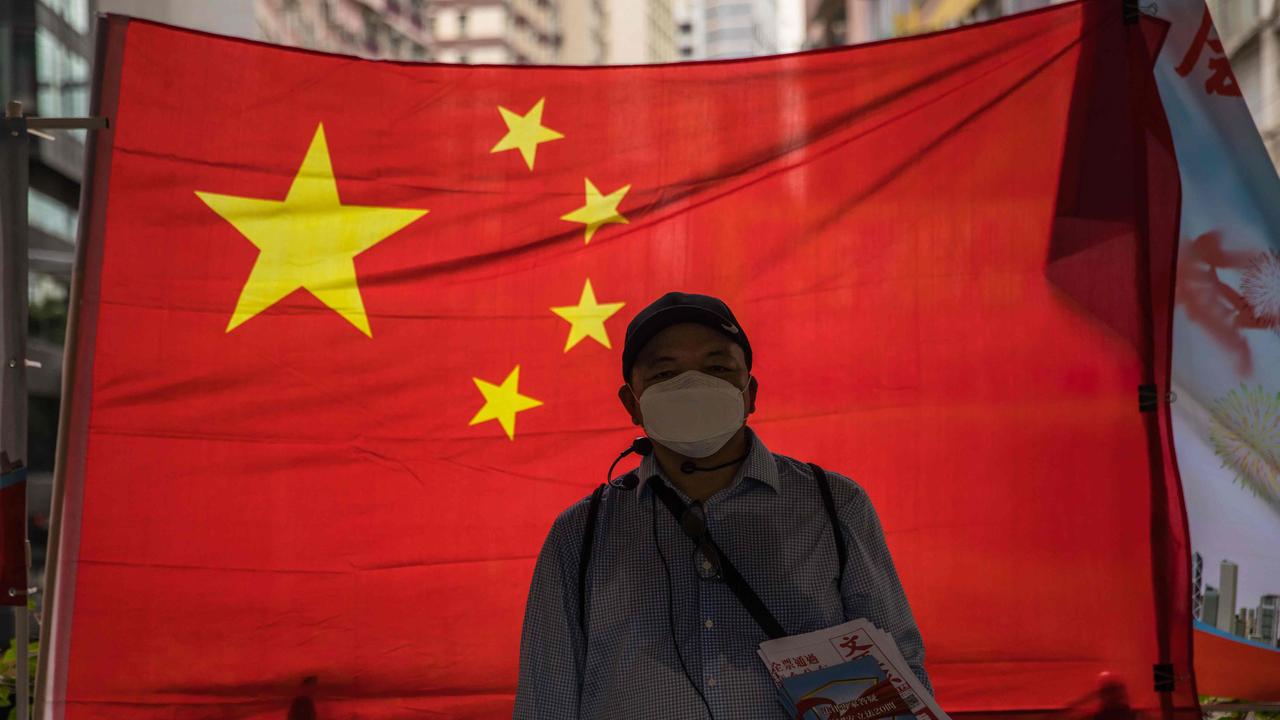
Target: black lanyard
{"points": [[678, 509], [694, 525]]}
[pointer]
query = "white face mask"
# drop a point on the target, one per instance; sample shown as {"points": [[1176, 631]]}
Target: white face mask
{"points": [[693, 413]]}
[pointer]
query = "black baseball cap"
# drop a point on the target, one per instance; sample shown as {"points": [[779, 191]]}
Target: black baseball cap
{"points": [[675, 308]]}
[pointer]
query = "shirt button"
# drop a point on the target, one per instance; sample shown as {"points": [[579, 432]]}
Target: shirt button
{"points": [[708, 624], [711, 682], [706, 564]]}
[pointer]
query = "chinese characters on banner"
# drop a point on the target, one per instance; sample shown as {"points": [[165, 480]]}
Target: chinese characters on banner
{"points": [[1221, 81]]}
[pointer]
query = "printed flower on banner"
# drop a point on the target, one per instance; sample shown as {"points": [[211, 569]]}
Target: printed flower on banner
{"points": [[1245, 434], [1260, 285], [1205, 264]]}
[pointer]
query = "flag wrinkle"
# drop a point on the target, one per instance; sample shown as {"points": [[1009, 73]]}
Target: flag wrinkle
{"points": [[386, 461], [938, 140]]}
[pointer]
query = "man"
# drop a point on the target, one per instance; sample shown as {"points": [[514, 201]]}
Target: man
{"points": [[665, 636]]}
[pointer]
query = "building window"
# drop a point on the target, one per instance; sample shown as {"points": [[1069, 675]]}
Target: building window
{"points": [[1235, 17], [733, 33], [74, 12], [716, 12], [47, 299], [50, 216], [62, 78]]}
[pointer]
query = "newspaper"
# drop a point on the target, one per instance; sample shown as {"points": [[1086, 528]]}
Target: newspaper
{"points": [[800, 654], [856, 690]]}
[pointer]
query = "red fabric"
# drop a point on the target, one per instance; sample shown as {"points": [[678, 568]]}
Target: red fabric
{"points": [[293, 513], [1235, 669]]}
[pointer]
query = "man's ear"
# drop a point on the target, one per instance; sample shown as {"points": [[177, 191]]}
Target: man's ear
{"points": [[752, 387], [629, 402]]}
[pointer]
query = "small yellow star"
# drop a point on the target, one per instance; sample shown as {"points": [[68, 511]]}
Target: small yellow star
{"points": [[525, 132], [308, 240], [587, 318], [599, 209], [502, 402]]}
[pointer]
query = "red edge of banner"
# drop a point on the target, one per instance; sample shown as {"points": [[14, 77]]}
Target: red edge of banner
{"points": [[1237, 669], [1170, 536], [73, 415]]}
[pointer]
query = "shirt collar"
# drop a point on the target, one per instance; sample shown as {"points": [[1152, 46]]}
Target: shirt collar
{"points": [[759, 466]]}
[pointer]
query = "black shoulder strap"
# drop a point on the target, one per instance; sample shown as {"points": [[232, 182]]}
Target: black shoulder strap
{"points": [[733, 579], [584, 558], [824, 486], [738, 584]]}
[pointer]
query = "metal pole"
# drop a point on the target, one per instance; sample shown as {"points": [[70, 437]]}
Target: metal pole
{"points": [[14, 152]]}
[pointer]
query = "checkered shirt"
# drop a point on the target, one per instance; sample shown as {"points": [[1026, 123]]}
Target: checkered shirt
{"points": [[771, 523]]}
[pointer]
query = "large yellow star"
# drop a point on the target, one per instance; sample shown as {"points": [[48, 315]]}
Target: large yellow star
{"points": [[599, 209], [525, 132], [309, 240], [502, 402], [587, 318]]}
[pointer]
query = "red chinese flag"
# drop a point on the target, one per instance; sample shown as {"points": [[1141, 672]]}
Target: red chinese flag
{"points": [[348, 339]]}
